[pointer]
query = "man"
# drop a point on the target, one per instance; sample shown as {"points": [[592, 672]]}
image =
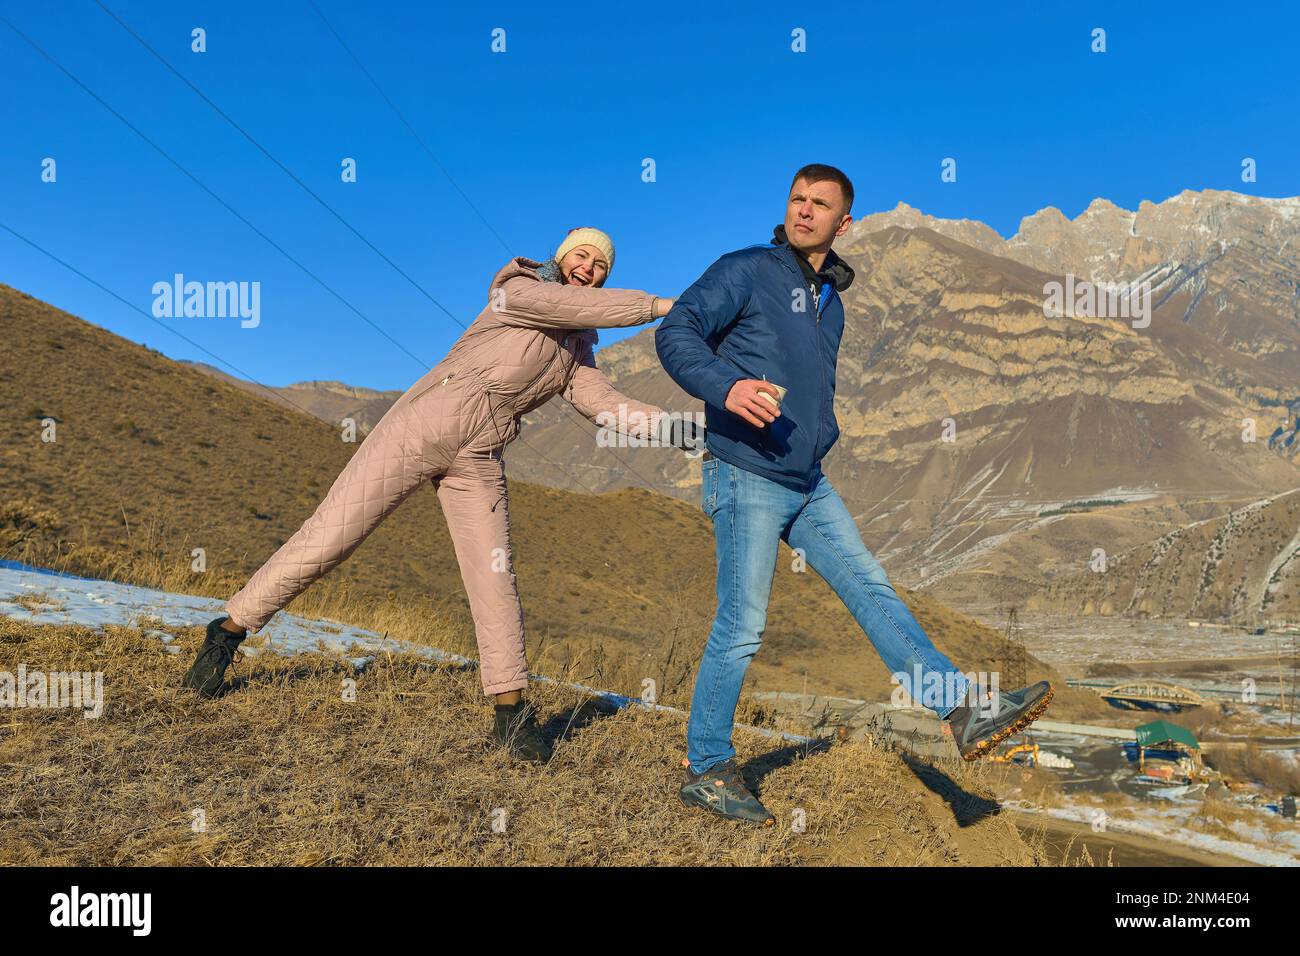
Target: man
{"points": [[759, 318]]}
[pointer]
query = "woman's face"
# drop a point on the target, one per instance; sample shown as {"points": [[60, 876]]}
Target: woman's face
{"points": [[584, 265]]}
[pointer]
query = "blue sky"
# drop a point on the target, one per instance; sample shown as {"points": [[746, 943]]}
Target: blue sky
{"points": [[552, 134]]}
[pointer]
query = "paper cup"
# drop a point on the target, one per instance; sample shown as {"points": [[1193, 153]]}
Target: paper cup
{"points": [[780, 393]]}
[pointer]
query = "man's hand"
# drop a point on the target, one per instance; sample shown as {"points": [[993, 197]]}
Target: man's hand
{"points": [[662, 307], [744, 400]]}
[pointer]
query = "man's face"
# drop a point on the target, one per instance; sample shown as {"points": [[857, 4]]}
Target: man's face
{"points": [[584, 265], [815, 215]]}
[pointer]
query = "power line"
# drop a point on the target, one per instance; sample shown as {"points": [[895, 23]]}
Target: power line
{"points": [[411, 129], [283, 168], [99, 285], [288, 172], [577, 422], [234, 212]]}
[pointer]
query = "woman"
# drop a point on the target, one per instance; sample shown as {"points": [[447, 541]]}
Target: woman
{"points": [[533, 341]]}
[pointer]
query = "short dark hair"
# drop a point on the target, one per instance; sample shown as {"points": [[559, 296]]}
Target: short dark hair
{"points": [[820, 173]]}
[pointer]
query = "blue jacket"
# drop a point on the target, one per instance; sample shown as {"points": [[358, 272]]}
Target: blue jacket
{"points": [[752, 315]]}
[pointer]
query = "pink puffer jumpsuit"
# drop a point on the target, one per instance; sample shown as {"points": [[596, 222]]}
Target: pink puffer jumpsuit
{"points": [[532, 342]]}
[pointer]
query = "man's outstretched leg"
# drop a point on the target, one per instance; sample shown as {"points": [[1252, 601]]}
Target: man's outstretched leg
{"points": [[830, 540]]}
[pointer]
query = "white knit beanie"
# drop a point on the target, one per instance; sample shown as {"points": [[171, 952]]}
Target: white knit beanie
{"points": [[587, 236]]}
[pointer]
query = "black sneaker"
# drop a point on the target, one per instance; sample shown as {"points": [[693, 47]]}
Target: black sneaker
{"points": [[720, 790], [516, 728], [207, 674], [976, 732]]}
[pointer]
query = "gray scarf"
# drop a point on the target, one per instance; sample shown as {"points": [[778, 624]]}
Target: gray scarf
{"points": [[549, 271]]}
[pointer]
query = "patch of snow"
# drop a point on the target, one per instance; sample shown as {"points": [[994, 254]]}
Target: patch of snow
{"points": [[1170, 826], [95, 604]]}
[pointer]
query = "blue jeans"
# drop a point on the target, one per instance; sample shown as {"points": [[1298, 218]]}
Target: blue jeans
{"points": [[750, 515]]}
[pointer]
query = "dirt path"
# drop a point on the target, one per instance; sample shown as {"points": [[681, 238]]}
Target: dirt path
{"points": [[1128, 849]]}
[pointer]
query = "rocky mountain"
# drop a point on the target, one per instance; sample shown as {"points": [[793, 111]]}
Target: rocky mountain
{"points": [[1232, 260], [1243, 567]]}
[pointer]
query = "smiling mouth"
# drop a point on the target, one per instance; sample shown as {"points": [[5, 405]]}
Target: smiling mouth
{"points": [[578, 279]]}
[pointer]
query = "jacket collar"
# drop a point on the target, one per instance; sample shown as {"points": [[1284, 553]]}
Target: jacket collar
{"points": [[834, 270]]}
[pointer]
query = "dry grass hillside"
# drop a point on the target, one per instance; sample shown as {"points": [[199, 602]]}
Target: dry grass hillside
{"points": [[287, 772], [329, 401], [154, 459]]}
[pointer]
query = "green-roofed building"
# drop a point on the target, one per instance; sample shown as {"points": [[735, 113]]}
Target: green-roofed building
{"points": [[1161, 731], [1162, 735]]}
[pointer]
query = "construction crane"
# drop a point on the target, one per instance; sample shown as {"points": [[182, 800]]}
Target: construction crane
{"points": [[1031, 750]]}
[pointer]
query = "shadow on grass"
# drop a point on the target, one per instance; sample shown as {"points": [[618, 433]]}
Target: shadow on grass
{"points": [[967, 808], [754, 771], [570, 720]]}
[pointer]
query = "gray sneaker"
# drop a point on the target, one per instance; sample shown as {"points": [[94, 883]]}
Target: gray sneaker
{"points": [[720, 790], [976, 732]]}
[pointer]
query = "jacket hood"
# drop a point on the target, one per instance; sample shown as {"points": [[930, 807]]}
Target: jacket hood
{"points": [[839, 271], [518, 266]]}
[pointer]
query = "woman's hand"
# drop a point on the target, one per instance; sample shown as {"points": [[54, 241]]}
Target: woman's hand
{"points": [[662, 307], [684, 433]]}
